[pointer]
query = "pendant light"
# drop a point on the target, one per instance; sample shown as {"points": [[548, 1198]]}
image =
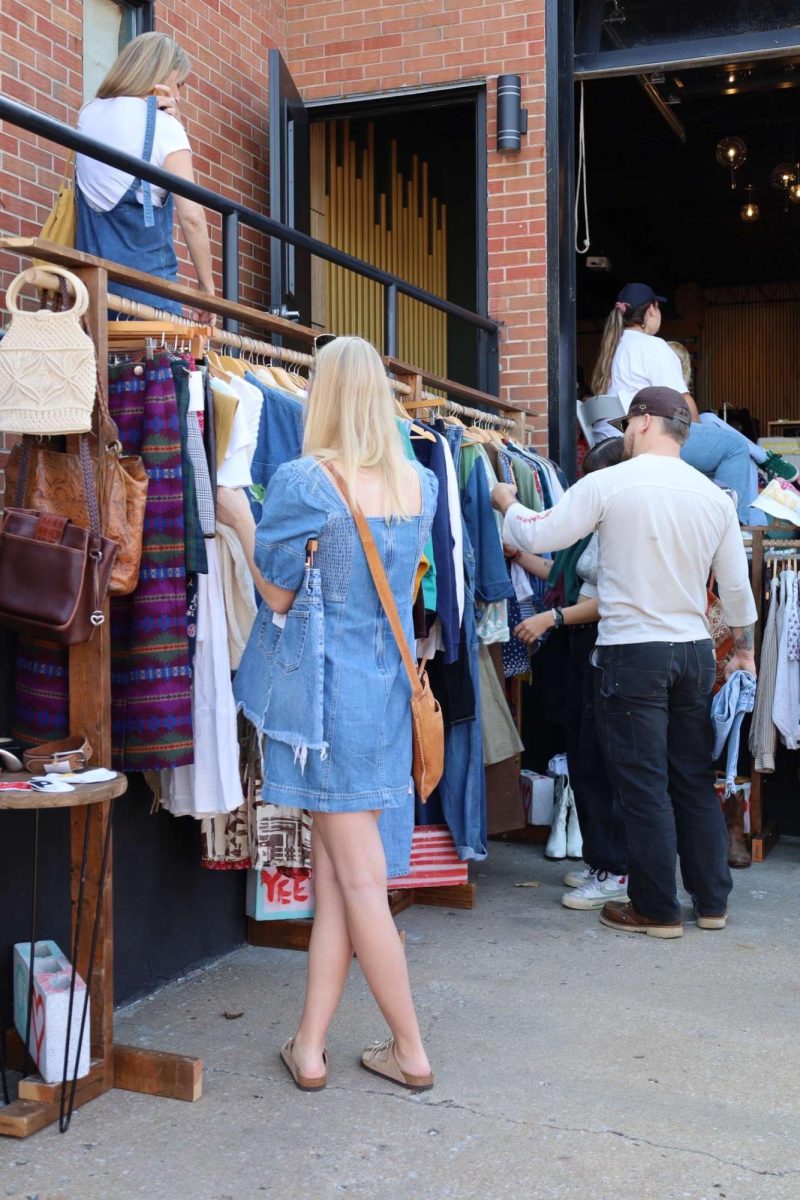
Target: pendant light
{"points": [[732, 152], [749, 212]]}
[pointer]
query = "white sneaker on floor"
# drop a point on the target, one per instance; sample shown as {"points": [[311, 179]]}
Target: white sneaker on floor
{"points": [[577, 878], [599, 887]]}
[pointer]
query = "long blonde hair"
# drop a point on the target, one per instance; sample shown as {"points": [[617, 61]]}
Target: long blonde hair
{"points": [[621, 317], [351, 418], [685, 359], [147, 60]]}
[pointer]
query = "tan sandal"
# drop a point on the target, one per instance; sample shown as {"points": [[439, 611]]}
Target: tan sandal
{"points": [[303, 1082], [380, 1060]]}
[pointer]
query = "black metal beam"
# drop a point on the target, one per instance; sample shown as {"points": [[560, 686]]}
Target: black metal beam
{"points": [[64, 135], [779, 43], [562, 365]]}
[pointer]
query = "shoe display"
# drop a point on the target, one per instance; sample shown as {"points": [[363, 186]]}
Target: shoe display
{"points": [[557, 842], [778, 468], [577, 877], [626, 919], [574, 838], [598, 888]]}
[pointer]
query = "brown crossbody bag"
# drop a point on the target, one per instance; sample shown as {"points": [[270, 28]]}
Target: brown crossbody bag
{"points": [[427, 725]]}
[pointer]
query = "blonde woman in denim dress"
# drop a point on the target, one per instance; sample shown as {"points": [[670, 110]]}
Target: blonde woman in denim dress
{"points": [[361, 763]]}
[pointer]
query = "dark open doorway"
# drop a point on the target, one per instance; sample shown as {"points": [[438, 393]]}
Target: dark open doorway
{"points": [[401, 182]]}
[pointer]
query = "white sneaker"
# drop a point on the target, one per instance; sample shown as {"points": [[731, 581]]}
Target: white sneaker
{"points": [[578, 877], [599, 887]]}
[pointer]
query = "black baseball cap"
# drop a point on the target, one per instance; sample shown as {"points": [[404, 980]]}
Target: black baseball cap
{"points": [[636, 294], [656, 402]]}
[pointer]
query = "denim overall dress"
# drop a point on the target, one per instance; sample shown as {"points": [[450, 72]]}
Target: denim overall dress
{"points": [[349, 659], [136, 235]]}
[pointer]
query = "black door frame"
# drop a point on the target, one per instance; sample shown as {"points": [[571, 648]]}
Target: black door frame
{"points": [[563, 67], [379, 104]]}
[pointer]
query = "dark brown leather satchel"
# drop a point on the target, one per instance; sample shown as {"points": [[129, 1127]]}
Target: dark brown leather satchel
{"points": [[49, 480], [53, 574], [427, 723]]}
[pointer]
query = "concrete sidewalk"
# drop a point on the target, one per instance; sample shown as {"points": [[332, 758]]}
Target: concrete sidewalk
{"points": [[571, 1062]]}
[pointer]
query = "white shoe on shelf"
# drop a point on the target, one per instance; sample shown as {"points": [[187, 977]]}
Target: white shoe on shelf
{"points": [[577, 877], [599, 887], [557, 842], [574, 839]]}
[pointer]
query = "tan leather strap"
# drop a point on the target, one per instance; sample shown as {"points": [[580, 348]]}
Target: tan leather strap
{"points": [[379, 578], [69, 754]]}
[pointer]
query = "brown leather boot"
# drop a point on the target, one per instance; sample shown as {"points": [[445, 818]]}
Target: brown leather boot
{"points": [[738, 853]]}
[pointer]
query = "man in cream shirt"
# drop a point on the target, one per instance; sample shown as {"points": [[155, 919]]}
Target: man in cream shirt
{"points": [[663, 527]]}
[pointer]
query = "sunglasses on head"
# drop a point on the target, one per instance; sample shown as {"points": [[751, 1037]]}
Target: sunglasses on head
{"points": [[324, 339]]}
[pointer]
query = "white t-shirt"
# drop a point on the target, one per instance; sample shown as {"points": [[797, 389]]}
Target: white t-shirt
{"points": [[120, 122], [644, 360], [662, 527]]}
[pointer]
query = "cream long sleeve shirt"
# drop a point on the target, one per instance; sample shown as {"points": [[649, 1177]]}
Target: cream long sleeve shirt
{"points": [[662, 528]]}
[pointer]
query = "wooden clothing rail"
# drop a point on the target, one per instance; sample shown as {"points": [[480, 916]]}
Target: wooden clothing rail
{"points": [[763, 835]]}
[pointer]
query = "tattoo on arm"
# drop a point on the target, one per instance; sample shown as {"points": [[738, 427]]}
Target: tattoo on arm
{"points": [[744, 638]]}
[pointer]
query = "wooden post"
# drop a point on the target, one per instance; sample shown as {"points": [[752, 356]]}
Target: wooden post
{"points": [[90, 715]]}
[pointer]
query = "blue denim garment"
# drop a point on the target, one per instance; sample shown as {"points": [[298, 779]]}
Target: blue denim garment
{"points": [[454, 435], [732, 701], [366, 714], [492, 580], [280, 432], [462, 790], [396, 827], [723, 454], [136, 235], [279, 683]]}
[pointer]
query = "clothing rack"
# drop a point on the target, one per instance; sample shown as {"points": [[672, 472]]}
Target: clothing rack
{"points": [[763, 836]]}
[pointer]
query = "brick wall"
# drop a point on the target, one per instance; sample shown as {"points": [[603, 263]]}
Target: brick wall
{"points": [[341, 47]]}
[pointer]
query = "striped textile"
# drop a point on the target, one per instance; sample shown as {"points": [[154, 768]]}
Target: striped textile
{"points": [[151, 686], [434, 862]]}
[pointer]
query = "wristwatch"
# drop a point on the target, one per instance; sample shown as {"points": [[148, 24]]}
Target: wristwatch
{"points": [[558, 617]]}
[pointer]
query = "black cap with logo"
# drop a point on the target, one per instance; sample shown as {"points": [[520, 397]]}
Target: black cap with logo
{"points": [[656, 402]]}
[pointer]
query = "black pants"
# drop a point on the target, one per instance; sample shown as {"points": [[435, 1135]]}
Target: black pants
{"points": [[602, 828], [655, 728]]}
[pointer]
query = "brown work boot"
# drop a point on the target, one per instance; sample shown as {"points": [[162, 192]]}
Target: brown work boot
{"points": [[738, 853], [617, 915]]}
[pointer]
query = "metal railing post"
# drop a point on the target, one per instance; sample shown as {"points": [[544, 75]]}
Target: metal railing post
{"points": [[390, 320], [230, 264]]}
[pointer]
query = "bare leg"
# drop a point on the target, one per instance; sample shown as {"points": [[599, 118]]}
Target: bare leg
{"points": [[354, 847], [329, 956]]}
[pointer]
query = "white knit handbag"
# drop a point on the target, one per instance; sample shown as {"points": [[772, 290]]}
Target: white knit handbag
{"points": [[48, 373]]}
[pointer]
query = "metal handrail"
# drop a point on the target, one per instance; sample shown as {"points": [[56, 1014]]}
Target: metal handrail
{"points": [[235, 214]]}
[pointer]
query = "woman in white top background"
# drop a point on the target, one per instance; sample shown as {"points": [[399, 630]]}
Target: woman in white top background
{"points": [[633, 357], [120, 217]]}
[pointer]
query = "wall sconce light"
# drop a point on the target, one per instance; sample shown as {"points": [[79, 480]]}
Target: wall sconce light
{"points": [[732, 152], [749, 212], [512, 118]]}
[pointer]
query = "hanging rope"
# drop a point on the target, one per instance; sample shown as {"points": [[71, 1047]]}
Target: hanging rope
{"points": [[581, 186]]}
